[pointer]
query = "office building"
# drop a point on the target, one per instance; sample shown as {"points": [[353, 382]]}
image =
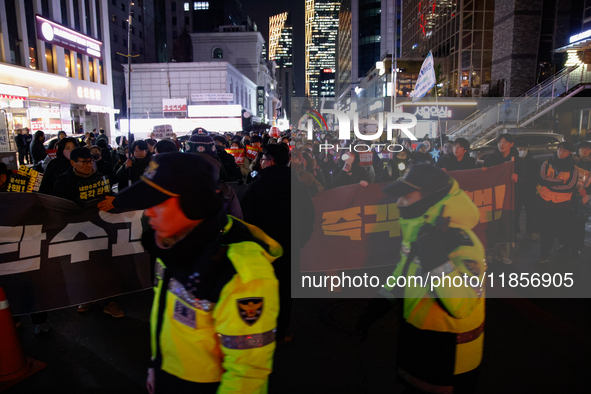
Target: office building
{"points": [[55, 65], [281, 39], [322, 22], [460, 35], [365, 36]]}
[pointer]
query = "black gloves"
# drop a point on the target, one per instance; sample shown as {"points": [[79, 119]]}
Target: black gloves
{"points": [[435, 243]]}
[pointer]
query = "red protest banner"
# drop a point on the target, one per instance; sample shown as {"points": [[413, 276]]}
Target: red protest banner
{"points": [[251, 152], [358, 227], [366, 158], [238, 155], [51, 153]]}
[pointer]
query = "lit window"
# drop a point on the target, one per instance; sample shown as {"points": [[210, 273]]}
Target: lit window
{"points": [[218, 53], [201, 5], [186, 6]]}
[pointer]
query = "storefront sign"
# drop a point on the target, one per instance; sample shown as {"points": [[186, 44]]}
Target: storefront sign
{"points": [[67, 38], [174, 105], [101, 109], [212, 97], [13, 92], [89, 93], [580, 36], [261, 101]]}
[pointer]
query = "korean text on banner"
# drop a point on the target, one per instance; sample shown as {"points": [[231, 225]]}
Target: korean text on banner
{"points": [[357, 227], [162, 131], [54, 254], [251, 152], [238, 155], [426, 79]]}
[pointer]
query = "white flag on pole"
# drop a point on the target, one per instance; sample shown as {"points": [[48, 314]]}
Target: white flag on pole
{"points": [[426, 79]]}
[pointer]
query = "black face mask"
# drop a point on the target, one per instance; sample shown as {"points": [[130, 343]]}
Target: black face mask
{"points": [[420, 207], [96, 157]]}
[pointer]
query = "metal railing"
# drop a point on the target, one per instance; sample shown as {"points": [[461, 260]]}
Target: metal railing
{"points": [[524, 109]]}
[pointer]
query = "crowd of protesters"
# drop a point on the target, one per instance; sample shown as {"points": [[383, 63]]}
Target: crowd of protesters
{"points": [[553, 194]]}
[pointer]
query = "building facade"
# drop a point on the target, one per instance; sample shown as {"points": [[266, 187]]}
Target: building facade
{"points": [[55, 65], [244, 51], [187, 95], [526, 34], [460, 35], [322, 22]]}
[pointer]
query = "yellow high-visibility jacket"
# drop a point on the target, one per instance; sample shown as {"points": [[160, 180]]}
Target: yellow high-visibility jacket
{"points": [[229, 338], [445, 327]]}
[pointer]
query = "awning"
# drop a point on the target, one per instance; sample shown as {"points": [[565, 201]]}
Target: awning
{"points": [[576, 46], [6, 96]]}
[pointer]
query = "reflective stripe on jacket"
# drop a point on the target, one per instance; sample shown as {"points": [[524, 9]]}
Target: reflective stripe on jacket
{"points": [[565, 182], [231, 341]]}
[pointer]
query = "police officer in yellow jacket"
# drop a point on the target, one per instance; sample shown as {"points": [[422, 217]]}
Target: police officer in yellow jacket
{"points": [[441, 339], [215, 304]]}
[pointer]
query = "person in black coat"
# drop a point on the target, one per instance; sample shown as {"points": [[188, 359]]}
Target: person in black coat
{"points": [[101, 166], [77, 184], [392, 169], [20, 146], [60, 136], [141, 158], [459, 159], [351, 172], [27, 139], [59, 165], [38, 150], [525, 191], [272, 186], [505, 152], [421, 155]]}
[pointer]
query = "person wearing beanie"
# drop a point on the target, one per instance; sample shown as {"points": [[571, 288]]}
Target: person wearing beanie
{"points": [[203, 144], [421, 155], [525, 191], [557, 184], [216, 297], [230, 167], [436, 219]]}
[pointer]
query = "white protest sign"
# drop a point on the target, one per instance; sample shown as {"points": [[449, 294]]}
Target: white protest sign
{"points": [[162, 131]]}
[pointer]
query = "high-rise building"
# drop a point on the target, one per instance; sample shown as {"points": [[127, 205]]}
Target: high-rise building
{"points": [[322, 23], [281, 39], [365, 36], [460, 35], [281, 51]]}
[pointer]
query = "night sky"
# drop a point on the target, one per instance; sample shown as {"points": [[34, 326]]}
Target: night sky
{"points": [[261, 10]]}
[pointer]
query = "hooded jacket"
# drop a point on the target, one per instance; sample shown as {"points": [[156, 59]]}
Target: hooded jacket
{"points": [[451, 318]]}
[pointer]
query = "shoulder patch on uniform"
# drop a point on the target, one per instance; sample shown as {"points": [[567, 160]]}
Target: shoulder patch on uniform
{"points": [[250, 309]]}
